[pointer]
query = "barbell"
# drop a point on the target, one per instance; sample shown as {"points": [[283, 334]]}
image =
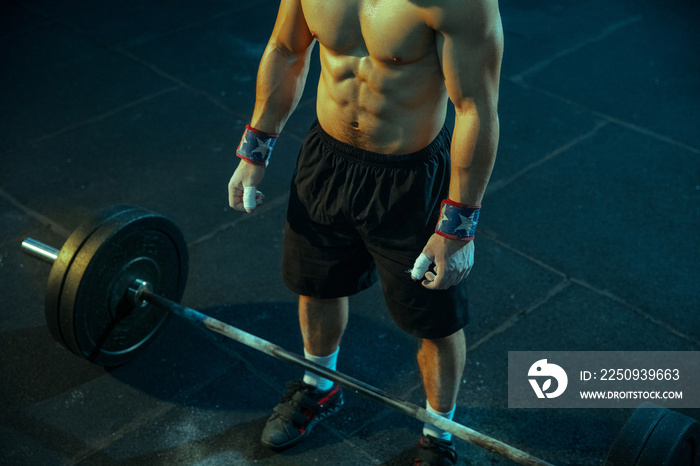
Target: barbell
{"points": [[120, 275]]}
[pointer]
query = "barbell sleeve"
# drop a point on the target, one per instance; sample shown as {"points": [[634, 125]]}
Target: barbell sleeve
{"points": [[39, 250]]}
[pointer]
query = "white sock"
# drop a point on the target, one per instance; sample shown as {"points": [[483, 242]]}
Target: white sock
{"points": [[430, 429], [329, 362]]}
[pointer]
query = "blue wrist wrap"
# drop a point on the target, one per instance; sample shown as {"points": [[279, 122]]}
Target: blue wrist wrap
{"points": [[256, 146], [457, 221]]}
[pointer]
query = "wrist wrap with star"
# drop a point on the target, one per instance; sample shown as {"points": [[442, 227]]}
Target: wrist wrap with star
{"points": [[457, 221], [256, 146]]}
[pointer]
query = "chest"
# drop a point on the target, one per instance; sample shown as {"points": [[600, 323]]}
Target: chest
{"points": [[391, 30]]}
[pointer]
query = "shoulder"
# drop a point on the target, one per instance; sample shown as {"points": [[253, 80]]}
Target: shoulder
{"points": [[477, 18]]}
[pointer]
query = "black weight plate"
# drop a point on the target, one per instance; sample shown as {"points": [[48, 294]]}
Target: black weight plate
{"points": [[95, 321], [674, 442], [631, 439], [63, 262]]}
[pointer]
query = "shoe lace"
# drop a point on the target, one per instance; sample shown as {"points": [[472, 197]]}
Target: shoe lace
{"points": [[292, 388]]}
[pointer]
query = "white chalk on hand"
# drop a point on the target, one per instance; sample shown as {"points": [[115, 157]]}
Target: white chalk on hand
{"points": [[249, 193], [420, 267]]}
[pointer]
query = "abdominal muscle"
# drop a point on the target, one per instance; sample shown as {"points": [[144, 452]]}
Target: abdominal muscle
{"points": [[385, 106]]}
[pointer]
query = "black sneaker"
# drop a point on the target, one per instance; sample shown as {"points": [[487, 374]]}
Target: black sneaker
{"points": [[435, 452], [300, 409]]}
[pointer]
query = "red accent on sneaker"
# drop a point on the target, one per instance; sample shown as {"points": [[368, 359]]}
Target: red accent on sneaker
{"points": [[330, 394]]}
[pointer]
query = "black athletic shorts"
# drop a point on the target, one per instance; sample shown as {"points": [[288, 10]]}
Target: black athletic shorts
{"points": [[353, 213]]}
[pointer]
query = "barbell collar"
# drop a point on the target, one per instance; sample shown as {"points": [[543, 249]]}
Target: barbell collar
{"points": [[136, 291]]}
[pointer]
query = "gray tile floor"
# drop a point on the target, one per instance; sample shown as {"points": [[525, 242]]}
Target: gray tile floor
{"points": [[588, 240]]}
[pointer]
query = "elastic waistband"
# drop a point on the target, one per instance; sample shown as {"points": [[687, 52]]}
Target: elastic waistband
{"points": [[441, 142]]}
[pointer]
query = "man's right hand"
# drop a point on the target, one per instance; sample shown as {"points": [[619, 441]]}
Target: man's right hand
{"points": [[242, 193]]}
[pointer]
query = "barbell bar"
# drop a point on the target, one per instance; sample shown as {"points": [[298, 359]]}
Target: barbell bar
{"points": [[120, 275], [89, 262]]}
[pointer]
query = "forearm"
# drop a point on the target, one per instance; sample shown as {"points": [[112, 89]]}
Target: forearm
{"points": [[473, 152], [279, 87]]}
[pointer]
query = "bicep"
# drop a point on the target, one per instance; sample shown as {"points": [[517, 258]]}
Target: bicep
{"points": [[470, 48], [291, 34]]}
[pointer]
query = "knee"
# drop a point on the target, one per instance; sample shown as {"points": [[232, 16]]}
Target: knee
{"points": [[309, 301], [456, 340], [450, 348]]}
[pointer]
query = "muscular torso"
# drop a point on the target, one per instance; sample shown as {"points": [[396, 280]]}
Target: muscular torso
{"points": [[381, 86]]}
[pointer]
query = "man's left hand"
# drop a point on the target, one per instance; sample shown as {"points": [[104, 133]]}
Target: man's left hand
{"points": [[453, 261]]}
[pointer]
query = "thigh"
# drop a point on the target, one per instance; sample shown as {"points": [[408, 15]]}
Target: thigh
{"points": [[324, 262]]}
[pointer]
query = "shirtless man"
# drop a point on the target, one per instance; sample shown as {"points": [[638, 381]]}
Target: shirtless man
{"points": [[373, 178]]}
